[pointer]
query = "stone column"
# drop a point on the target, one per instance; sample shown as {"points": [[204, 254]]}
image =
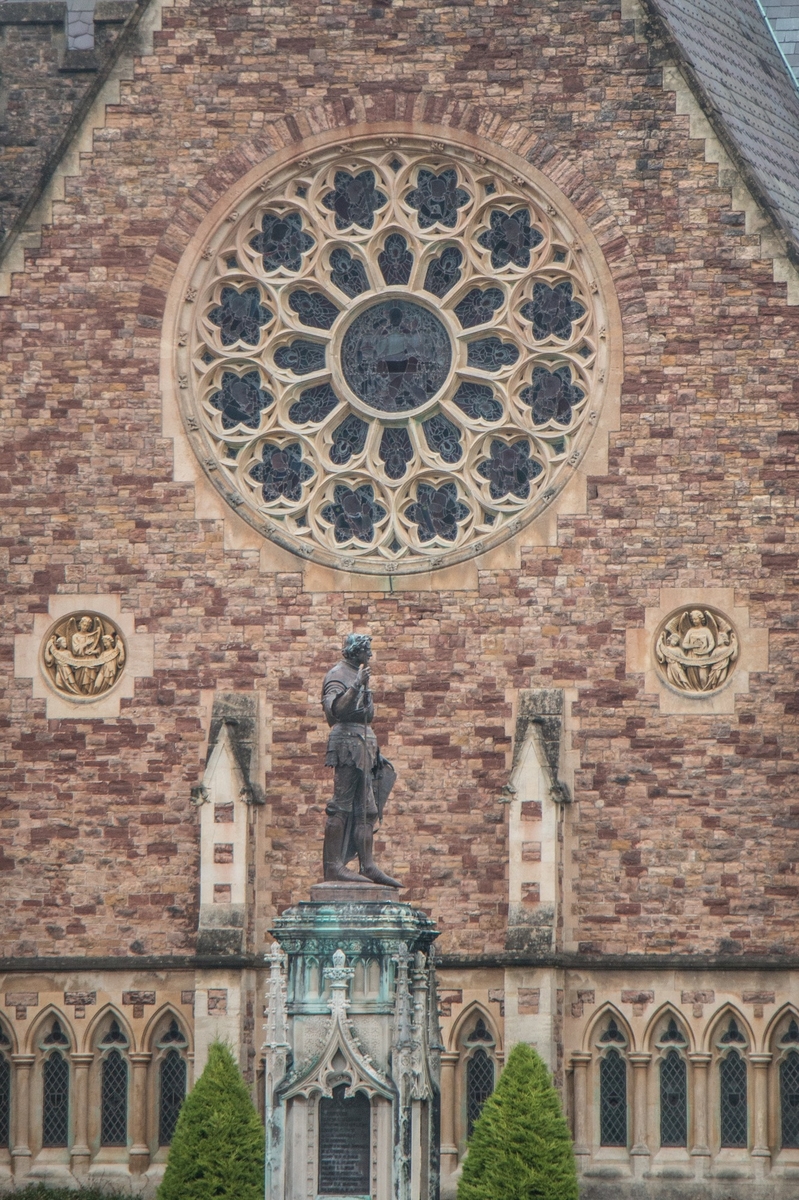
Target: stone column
{"points": [[582, 1141], [639, 1153], [761, 1153], [21, 1111], [449, 1149], [700, 1150], [139, 1150], [80, 1153]]}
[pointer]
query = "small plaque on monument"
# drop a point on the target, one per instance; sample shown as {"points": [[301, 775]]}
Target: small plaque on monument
{"points": [[344, 1136]]}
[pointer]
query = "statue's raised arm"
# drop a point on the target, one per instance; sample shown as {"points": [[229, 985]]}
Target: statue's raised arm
{"points": [[363, 778]]}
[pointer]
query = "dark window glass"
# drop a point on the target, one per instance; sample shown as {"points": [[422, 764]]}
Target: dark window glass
{"points": [[613, 1100], [173, 1034], [115, 1036], [480, 1033], [5, 1101], [673, 1101], [282, 241], [613, 1033], [55, 1100], [172, 1090], [241, 399], [281, 472], [56, 1036], [313, 405], [673, 1033], [348, 439], [733, 1035], [552, 395], [444, 272], [354, 199], [313, 309], [437, 198], [476, 307], [509, 469], [301, 357], [477, 401], [443, 438], [344, 1144], [792, 1034], [395, 260], [552, 310], [437, 512], [396, 355], [733, 1100], [395, 451], [491, 354], [789, 1099], [114, 1110], [479, 1086], [353, 513], [510, 238], [240, 316], [348, 273]]}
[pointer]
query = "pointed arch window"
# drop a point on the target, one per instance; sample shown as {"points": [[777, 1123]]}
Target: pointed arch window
{"points": [[613, 1099], [55, 1099], [172, 1092], [673, 1100], [114, 1103], [5, 1090], [479, 1086], [732, 1070]]}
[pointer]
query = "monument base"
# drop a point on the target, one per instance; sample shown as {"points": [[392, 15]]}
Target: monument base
{"points": [[352, 1049]]}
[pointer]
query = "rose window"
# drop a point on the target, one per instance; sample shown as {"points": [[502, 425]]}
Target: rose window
{"points": [[396, 355]]}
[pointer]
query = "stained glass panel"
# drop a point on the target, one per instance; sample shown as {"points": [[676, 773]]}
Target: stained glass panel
{"points": [[348, 273], [510, 238], [673, 1101], [509, 469], [241, 399], [477, 401], [443, 272], [349, 439], [613, 1100], [789, 1099], [732, 1071], [301, 357], [478, 306], [395, 261], [55, 1100], [114, 1101], [491, 354], [552, 310], [437, 198], [396, 355], [443, 438], [313, 309], [172, 1091], [552, 395], [5, 1102], [353, 513], [240, 316], [354, 199], [479, 1086], [313, 405], [395, 451], [437, 512], [281, 472], [282, 241]]}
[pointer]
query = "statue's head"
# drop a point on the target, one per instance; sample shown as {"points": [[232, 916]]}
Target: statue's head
{"points": [[85, 624], [357, 647], [697, 617]]}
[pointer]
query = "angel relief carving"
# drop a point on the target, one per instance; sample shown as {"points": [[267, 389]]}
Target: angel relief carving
{"points": [[83, 655], [696, 649]]}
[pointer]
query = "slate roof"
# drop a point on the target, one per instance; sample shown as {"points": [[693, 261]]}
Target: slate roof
{"points": [[784, 21], [746, 88]]}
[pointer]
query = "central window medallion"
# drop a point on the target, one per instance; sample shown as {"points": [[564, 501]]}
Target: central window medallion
{"points": [[391, 354], [396, 356]]}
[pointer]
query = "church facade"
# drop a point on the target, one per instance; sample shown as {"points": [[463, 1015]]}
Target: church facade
{"points": [[471, 326]]}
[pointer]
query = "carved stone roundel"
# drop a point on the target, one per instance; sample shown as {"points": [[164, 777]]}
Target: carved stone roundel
{"points": [[83, 656], [696, 649], [392, 354]]}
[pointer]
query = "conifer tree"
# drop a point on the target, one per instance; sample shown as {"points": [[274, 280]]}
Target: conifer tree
{"points": [[217, 1150], [520, 1148]]}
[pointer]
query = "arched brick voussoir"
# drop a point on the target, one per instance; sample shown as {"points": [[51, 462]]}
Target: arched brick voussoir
{"points": [[420, 114]]}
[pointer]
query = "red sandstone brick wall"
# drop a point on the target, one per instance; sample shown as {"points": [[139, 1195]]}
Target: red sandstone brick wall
{"points": [[686, 830]]}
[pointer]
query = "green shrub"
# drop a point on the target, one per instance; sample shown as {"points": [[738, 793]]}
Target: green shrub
{"points": [[217, 1150], [38, 1191], [520, 1148]]}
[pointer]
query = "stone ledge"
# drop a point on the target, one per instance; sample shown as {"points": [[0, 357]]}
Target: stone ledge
{"points": [[79, 60], [36, 12], [111, 11]]}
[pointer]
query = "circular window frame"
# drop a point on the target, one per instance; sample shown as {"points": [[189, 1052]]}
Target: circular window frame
{"points": [[214, 231]]}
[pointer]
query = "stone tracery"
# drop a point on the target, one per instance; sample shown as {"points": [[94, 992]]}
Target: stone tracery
{"points": [[394, 355]]}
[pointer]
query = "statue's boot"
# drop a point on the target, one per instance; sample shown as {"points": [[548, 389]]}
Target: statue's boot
{"points": [[364, 837], [336, 870]]}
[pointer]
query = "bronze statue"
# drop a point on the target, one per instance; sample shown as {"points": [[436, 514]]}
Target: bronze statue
{"points": [[363, 778]]}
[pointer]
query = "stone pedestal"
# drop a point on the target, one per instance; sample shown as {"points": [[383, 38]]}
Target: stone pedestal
{"points": [[352, 1049]]}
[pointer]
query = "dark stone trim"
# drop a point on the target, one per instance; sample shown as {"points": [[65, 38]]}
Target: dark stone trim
{"points": [[621, 962], [176, 962], [51, 12]]}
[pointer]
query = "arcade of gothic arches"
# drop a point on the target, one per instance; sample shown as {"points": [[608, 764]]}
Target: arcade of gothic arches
{"points": [[470, 330]]}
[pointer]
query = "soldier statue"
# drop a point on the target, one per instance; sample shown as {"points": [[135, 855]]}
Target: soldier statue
{"points": [[363, 778]]}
